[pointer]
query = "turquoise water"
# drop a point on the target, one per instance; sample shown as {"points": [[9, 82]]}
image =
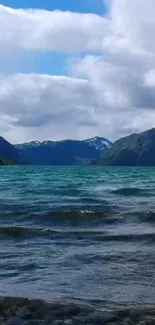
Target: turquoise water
{"points": [[78, 234]]}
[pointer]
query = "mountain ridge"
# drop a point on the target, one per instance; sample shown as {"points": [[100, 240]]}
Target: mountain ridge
{"points": [[137, 149], [65, 152], [88, 140]]}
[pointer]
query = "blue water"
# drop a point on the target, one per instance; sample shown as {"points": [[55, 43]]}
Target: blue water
{"points": [[78, 234]]}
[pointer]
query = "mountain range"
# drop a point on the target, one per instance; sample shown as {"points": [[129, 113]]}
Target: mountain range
{"points": [[133, 150], [65, 152]]}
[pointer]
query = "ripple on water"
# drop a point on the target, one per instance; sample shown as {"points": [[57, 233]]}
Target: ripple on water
{"points": [[84, 233], [132, 191]]}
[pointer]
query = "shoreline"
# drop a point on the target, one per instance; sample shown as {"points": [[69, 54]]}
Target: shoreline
{"points": [[23, 311]]}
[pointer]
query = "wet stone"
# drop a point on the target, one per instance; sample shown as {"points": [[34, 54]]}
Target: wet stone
{"points": [[25, 312]]}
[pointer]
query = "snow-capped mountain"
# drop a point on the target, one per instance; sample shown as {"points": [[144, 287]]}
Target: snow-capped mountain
{"points": [[65, 152], [97, 143], [29, 144]]}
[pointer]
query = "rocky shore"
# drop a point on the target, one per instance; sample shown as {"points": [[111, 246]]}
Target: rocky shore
{"points": [[19, 311]]}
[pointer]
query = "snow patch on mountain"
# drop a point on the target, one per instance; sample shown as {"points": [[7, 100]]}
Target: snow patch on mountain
{"points": [[99, 143]]}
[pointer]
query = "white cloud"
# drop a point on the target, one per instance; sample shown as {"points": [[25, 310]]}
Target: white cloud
{"points": [[41, 106], [129, 25], [63, 105], [110, 94], [125, 81], [42, 30], [133, 25]]}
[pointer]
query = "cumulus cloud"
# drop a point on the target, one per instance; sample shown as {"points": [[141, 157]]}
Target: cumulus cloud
{"points": [[33, 100], [111, 93], [42, 30], [125, 82], [133, 25], [42, 106], [128, 25], [43, 101]]}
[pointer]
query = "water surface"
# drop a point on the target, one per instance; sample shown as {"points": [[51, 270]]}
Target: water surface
{"points": [[78, 234]]}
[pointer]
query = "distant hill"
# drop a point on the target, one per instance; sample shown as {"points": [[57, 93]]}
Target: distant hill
{"points": [[133, 150], [5, 162]]}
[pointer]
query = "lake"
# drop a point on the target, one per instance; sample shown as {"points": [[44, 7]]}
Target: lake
{"points": [[78, 234]]}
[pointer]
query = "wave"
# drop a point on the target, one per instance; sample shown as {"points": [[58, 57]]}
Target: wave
{"points": [[18, 232], [26, 232], [148, 217], [19, 310], [23, 233], [131, 191], [62, 217], [78, 216]]}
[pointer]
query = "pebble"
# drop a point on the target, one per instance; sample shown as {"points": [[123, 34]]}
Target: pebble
{"points": [[17, 311]]}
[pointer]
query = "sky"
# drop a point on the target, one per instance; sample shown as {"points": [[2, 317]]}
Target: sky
{"points": [[76, 68]]}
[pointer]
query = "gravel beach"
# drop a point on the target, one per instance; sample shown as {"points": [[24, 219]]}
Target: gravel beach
{"points": [[19, 311]]}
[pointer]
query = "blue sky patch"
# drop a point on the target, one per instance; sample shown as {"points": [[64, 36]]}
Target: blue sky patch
{"points": [[85, 6]]}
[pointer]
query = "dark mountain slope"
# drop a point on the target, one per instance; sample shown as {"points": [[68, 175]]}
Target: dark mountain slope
{"points": [[8, 152], [133, 150], [45, 154]]}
